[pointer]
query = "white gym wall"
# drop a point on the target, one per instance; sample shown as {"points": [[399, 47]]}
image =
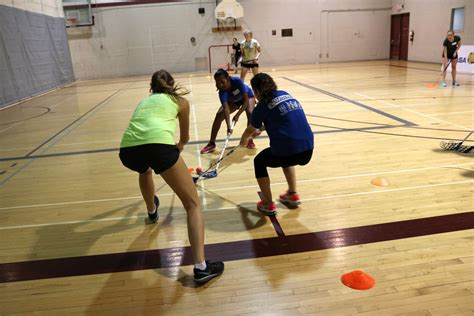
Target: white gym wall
{"points": [[138, 39]]}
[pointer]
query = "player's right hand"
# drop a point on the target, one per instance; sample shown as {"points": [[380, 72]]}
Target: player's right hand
{"points": [[256, 133]]}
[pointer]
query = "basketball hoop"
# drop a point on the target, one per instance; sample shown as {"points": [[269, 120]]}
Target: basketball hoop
{"points": [[72, 22], [229, 9]]}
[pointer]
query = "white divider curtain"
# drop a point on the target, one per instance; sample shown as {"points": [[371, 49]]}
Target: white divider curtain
{"points": [[34, 54]]}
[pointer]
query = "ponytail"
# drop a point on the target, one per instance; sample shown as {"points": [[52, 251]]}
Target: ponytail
{"points": [[163, 82]]}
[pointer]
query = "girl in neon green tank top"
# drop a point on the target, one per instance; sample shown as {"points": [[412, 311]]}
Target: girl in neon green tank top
{"points": [[148, 145]]}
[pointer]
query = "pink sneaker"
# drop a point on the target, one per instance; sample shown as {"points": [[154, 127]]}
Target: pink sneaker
{"points": [[292, 199], [251, 144], [209, 148], [268, 209]]}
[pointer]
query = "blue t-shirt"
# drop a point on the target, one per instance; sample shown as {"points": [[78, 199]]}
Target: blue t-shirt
{"points": [[236, 92], [285, 123]]}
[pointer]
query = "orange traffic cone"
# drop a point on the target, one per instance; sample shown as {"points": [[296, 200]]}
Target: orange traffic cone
{"points": [[358, 280], [380, 182]]}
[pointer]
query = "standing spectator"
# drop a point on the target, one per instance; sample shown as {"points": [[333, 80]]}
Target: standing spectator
{"points": [[237, 54], [250, 52]]}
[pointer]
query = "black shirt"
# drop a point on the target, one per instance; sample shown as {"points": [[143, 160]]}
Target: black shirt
{"points": [[451, 46], [236, 47]]}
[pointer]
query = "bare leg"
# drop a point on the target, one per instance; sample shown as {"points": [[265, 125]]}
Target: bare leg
{"points": [[264, 184], [255, 70], [454, 62], [249, 110], [147, 187], [179, 179], [243, 73], [290, 175], [217, 125], [444, 70]]}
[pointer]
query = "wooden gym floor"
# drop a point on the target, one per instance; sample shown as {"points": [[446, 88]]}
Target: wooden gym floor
{"points": [[74, 239]]}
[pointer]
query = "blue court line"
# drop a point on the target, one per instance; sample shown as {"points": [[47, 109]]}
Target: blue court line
{"points": [[391, 116], [31, 157], [336, 129], [72, 123]]}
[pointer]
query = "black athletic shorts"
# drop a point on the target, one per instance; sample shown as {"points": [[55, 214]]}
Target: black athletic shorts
{"points": [[246, 65], [267, 159], [159, 157], [450, 56]]}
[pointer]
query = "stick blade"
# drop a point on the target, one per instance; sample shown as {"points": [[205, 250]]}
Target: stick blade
{"points": [[451, 146], [210, 174], [465, 149]]}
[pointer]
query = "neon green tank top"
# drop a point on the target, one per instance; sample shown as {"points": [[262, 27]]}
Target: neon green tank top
{"points": [[153, 122]]}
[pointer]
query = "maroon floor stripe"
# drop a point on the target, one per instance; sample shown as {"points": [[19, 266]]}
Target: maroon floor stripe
{"points": [[277, 226], [238, 250]]}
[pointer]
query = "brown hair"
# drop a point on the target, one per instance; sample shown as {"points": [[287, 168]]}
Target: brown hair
{"points": [[264, 85], [163, 82]]}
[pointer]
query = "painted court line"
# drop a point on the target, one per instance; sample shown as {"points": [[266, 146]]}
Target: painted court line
{"points": [[391, 116], [247, 186], [58, 136], [107, 219], [449, 113], [382, 191], [197, 142], [415, 112], [198, 152], [235, 250], [255, 186], [90, 112]]}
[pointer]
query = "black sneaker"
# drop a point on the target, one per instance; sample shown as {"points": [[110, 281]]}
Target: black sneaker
{"points": [[153, 217], [213, 270]]}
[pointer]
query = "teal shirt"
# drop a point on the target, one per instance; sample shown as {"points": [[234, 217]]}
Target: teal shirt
{"points": [[153, 122]]}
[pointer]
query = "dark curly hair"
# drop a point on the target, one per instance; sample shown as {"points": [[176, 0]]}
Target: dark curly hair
{"points": [[163, 82], [264, 85]]}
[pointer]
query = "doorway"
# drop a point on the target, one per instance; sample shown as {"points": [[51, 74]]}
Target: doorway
{"points": [[399, 31]]}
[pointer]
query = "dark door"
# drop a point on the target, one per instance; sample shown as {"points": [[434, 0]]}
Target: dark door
{"points": [[395, 37], [399, 31]]}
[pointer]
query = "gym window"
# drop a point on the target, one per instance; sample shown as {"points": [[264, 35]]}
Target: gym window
{"points": [[457, 19]]}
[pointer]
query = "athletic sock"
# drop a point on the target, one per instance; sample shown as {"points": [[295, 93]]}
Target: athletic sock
{"points": [[201, 266]]}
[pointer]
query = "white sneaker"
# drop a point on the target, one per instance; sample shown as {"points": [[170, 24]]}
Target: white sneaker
{"points": [[443, 84], [455, 83]]}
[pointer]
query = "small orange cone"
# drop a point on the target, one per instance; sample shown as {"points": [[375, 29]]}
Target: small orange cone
{"points": [[380, 182], [358, 280], [432, 85], [190, 170]]}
